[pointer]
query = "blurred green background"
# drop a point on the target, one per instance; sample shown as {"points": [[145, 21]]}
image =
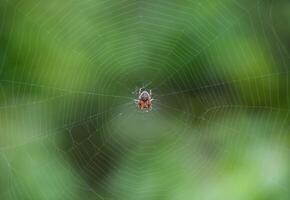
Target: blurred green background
{"points": [[220, 124]]}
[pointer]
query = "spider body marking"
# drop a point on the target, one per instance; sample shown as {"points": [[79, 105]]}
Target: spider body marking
{"points": [[144, 101]]}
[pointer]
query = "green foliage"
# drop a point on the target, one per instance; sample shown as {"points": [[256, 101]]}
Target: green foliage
{"points": [[219, 73]]}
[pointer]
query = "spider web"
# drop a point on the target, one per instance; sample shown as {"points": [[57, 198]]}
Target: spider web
{"points": [[219, 73]]}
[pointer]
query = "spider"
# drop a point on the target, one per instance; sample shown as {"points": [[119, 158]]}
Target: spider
{"points": [[144, 101]]}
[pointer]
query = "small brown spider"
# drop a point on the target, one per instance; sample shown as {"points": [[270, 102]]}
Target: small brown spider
{"points": [[144, 101]]}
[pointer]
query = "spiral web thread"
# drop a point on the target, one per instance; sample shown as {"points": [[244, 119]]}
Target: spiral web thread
{"points": [[217, 69]]}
